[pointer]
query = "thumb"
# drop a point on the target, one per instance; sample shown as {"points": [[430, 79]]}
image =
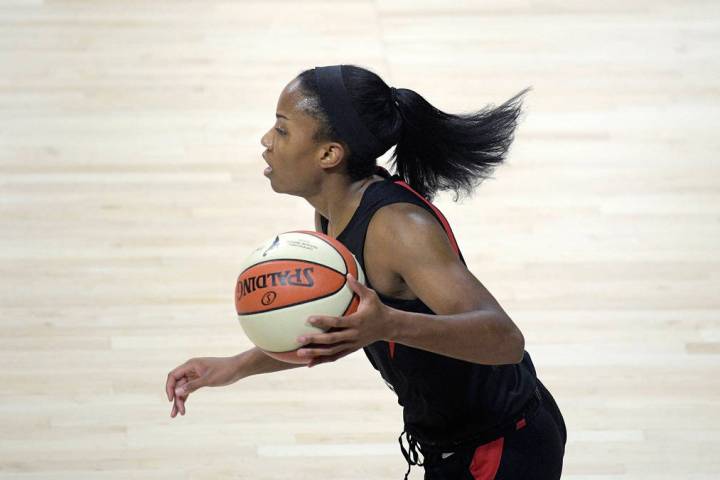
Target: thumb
{"points": [[189, 387], [356, 286]]}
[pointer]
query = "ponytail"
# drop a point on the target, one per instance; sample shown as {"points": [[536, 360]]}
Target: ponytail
{"points": [[441, 151], [434, 150]]}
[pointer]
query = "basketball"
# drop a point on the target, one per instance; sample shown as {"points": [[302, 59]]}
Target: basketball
{"points": [[287, 279]]}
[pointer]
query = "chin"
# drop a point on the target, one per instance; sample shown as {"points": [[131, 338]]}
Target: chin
{"points": [[276, 189], [293, 190], [273, 185]]}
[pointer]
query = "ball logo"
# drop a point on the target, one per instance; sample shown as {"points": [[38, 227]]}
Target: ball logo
{"points": [[268, 298], [300, 277], [275, 244]]}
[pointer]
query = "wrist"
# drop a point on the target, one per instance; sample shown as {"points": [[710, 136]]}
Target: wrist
{"points": [[239, 366], [394, 323]]}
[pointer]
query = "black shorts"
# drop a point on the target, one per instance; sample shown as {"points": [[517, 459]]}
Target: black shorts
{"points": [[534, 452]]}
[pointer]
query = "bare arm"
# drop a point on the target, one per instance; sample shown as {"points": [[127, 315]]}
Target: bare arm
{"points": [[469, 323], [255, 362]]}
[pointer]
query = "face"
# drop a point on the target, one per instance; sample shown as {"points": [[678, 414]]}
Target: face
{"points": [[296, 161]]}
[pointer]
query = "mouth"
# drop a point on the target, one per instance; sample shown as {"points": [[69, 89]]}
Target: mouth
{"points": [[269, 168]]}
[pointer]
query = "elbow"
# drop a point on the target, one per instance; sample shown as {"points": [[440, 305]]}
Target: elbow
{"points": [[511, 345], [516, 344], [520, 346]]}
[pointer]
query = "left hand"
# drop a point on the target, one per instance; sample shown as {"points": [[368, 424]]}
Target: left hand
{"points": [[370, 323]]}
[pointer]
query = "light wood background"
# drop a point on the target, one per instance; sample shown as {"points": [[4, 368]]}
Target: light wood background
{"points": [[131, 187]]}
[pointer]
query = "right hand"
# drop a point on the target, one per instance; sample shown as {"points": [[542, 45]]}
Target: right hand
{"points": [[196, 373]]}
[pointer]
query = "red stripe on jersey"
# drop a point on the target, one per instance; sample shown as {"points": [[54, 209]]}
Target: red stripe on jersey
{"points": [[444, 222], [486, 460]]}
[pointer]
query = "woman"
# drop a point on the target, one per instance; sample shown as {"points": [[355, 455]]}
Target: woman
{"points": [[472, 404]]}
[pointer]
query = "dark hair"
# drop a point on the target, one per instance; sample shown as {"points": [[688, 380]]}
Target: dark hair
{"points": [[435, 150]]}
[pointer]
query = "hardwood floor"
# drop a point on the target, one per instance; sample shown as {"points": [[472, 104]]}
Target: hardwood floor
{"points": [[131, 187]]}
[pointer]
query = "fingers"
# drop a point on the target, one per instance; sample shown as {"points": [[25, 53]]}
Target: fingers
{"points": [[179, 403], [357, 287], [328, 359], [173, 377], [181, 398], [170, 386], [178, 407], [190, 386], [326, 322], [329, 338], [323, 352]]}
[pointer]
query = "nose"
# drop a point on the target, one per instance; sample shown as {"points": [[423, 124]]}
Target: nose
{"points": [[265, 140]]}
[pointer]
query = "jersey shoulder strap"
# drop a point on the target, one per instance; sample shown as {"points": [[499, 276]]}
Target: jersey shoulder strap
{"points": [[392, 190]]}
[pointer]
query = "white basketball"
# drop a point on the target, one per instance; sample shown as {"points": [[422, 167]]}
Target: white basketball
{"points": [[287, 279]]}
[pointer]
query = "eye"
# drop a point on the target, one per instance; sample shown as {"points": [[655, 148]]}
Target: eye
{"points": [[280, 131]]}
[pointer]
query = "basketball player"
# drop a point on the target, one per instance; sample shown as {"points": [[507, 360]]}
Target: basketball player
{"points": [[472, 403]]}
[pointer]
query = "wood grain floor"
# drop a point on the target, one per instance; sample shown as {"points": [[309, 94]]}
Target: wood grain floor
{"points": [[131, 187]]}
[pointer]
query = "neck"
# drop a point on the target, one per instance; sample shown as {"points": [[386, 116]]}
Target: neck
{"points": [[338, 198]]}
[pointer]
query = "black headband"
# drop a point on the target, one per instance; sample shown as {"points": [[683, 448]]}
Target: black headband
{"points": [[342, 115]]}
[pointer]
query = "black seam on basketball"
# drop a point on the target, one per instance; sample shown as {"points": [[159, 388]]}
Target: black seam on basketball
{"points": [[297, 260], [300, 303], [347, 269], [307, 232]]}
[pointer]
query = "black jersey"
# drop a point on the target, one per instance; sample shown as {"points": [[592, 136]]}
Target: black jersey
{"points": [[445, 400]]}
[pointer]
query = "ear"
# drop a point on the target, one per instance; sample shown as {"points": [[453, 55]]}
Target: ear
{"points": [[332, 155]]}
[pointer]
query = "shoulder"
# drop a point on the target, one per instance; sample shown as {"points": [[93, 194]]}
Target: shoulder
{"points": [[410, 226], [404, 215]]}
